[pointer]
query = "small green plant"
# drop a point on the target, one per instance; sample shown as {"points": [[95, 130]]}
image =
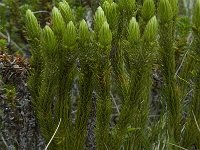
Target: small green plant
{"points": [[10, 93], [3, 44]]}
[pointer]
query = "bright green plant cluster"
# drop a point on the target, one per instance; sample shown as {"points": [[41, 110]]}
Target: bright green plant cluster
{"points": [[122, 47]]}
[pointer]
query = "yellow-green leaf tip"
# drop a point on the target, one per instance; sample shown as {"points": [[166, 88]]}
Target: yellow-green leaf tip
{"points": [[105, 35], [48, 38], [57, 21], [70, 35], [148, 9], [133, 31], [84, 33], [99, 19], [165, 11], [32, 25], [151, 30], [66, 12]]}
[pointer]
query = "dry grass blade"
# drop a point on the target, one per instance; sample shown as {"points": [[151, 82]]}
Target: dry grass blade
{"points": [[53, 135], [196, 122], [113, 99], [177, 146]]}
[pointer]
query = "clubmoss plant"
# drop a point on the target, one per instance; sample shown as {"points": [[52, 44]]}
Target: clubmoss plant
{"points": [[57, 52], [86, 74], [44, 100], [141, 61], [102, 76], [66, 63], [171, 89], [135, 96], [120, 130], [34, 33], [120, 33]]}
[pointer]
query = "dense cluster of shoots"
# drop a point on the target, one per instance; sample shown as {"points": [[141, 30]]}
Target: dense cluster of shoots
{"points": [[116, 55]]}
